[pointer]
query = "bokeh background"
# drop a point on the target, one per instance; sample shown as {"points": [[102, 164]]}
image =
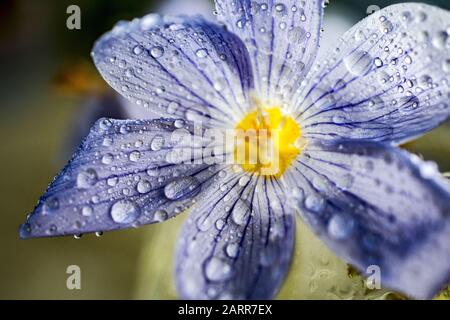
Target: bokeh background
{"points": [[50, 94]]}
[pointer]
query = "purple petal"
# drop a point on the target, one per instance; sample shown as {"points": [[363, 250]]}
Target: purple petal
{"points": [[387, 80], [178, 66], [374, 204], [124, 175], [237, 243], [282, 38]]}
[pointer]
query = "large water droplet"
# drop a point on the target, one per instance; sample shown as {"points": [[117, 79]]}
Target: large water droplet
{"points": [[144, 186], [241, 212], [124, 212], [314, 203], [232, 250], [157, 143], [135, 156], [107, 159], [297, 35], [157, 52], [217, 270], [184, 187], [138, 50], [87, 211], [340, 226], [87, 179], [358, 63]]}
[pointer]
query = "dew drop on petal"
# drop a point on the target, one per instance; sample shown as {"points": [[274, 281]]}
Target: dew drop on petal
{"points": [[157, 52], [144, 186], [87, 179], [202, 53], [232, 250], [107, 158], [87, 211], [358, 62], [135, 156], [157, 143], [160, 216], [180, 188], [340, 226], [125, 212], [241, 212], [217, 269]]}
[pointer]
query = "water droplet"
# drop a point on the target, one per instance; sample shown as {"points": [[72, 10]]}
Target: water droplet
{"points": [[232, 250], [297, 35], [138, 50], [241, 23], [105, 124], [160, 216], [157, 143], [358, 62], [181, 188], [241, 212], [112, 181], [51, 204], [179, 124], [314, 203], [202, 53], [172, 107], [135, 156], [144, 186], [378, 62], [408, 59], [87, 179], [87, 211], [107, 158], [244, 180], [220, 224], [340, 226], [386, 26], [217, 270], [446, 65], [125, 212], [280, 8], [157, 52]]}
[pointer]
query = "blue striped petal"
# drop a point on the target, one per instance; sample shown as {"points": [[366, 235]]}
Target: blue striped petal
{"points": [[237, 243], [376, 205], [125, 174], [387, 80], [179, 67], [282, 38]]}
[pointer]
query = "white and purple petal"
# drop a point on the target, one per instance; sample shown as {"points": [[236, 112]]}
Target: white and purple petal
{"points": [[387, 80], [125, 174], [237, 243], [282, 38], [182, 67], [373, 204]]}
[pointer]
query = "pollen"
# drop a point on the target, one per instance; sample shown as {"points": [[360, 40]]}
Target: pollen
{"points": [[267, 142]]}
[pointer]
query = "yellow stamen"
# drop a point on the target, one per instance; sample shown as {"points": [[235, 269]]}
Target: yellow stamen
{"points": [[267, 142]]}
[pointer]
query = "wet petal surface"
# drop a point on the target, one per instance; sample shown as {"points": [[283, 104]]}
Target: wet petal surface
{"points": [[179, 67], [125, 174], [387, 80], [282, 38], [378, 205], [237, 243]]}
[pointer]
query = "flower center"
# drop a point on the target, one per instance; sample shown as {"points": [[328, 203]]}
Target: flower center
{"points": [[267, 142]]}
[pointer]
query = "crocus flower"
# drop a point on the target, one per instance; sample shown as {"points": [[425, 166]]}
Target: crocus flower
{"points": [[338, 124]]}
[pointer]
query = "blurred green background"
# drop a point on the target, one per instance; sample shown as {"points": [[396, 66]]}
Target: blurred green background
{"points": [[46, 85]]}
